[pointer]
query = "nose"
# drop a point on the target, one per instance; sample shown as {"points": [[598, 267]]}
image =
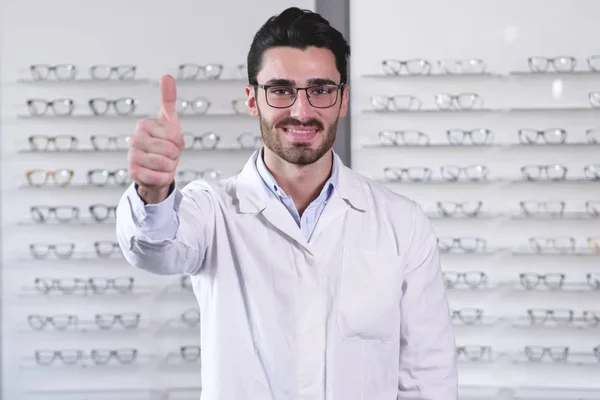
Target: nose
{"points": [[301, 109]]}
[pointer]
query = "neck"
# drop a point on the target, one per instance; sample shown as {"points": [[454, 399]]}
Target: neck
{"points": [[303, 183]]}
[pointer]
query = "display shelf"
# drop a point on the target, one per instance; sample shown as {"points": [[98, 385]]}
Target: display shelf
{"points": [[85, 221], [92, 394], [191, 393], [141, 361], [86, 82], [554, 74], [565, 216], [83, 117], [437, 75], [218, 150]]}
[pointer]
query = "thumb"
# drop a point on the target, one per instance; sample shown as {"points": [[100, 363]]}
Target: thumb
{"points": [[168, 99]]}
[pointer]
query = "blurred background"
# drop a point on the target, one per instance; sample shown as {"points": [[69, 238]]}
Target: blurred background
{"points": [[486, 113]]}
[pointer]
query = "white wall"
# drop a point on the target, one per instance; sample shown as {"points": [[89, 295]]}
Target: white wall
{"points": [[157, 36], [503, 34]]}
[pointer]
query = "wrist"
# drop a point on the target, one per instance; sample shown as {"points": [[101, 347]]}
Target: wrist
{"points": [[154, 195]]}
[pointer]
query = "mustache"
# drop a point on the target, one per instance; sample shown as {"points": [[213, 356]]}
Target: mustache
{"points": [[315, 123]]}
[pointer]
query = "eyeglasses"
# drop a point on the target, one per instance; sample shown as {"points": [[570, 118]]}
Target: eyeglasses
{"points": [[406, 67], [101, 212], [549, 208], [240, 106], [592, 172], [190, 353], [544, 64], [594, 98], [475, 136], [41, 214], [56, 143], [452, 208], [199, 105], [39, 177], [105, 72], [249, 140], [462, 101], [562, 244], [123, 356], [537, 353], [593, 281], [191, 317], [593, 136], [108, 321], [591, 318], [474, 353], [465, 244], [62, 72], [106, 142], [543, 315], [414, 174], [468, 316], [122, 284], [593, 207], [549, 136], [64, 285], [594, 63], [207, 140], [122, 106], [395, 103], [594, 244], [553, 172], [189, 175], [101, 177], [473, 173], [106, 248], [459, 67], [60, 250], [473, 279], [59, 322], [404, 137], [197, 71], [552, 281], [284, 96], [66, 356], [58, 107]]}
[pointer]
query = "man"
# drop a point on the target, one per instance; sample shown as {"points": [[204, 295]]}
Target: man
{"points": [[313, 282]]}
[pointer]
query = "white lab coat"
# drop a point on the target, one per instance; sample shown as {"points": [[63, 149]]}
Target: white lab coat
{"points": [[357, 313]]}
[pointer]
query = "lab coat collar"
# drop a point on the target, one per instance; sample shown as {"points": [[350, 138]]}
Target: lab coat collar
{"points": [[253, 195]]}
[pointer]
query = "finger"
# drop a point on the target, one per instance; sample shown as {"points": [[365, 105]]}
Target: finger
{"points": [[148, 144], [152, 161], [168, 99], [150, 178]]}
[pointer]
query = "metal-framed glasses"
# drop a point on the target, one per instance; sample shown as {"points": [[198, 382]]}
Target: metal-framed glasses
{"points": [[284, 96]]}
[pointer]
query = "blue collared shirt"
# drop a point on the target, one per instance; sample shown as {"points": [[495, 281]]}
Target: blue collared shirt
{"points": [[310, 216]]}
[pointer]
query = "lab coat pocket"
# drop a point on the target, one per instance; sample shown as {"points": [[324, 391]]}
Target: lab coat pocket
{"points": [[369, 296]]}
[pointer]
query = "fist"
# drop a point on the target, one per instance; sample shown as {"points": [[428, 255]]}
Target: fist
{"points": [[156, 145]]}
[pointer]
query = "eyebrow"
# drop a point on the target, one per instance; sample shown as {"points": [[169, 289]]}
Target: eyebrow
{"points": [[310, 82]]}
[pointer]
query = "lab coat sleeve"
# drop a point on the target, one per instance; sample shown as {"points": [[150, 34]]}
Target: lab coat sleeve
{"points": [[170, 237], [427, 369]]}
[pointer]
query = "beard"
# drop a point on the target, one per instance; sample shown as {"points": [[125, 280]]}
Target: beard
{"points": [[297, 153]]}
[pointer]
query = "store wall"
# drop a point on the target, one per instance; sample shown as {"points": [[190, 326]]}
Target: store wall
{"points": [[503, 34], [156, 36]]}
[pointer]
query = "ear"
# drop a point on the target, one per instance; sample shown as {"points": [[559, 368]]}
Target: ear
{"points": [[345, 98], [251, 101]]}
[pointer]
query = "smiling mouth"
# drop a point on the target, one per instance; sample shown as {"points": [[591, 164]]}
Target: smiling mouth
{"points": [[300, 134]]}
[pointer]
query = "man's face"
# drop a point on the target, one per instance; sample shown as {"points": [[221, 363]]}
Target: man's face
{"points": [[302, 133]]}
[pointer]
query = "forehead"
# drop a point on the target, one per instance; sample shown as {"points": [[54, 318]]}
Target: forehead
{"points": [[298, 65]]}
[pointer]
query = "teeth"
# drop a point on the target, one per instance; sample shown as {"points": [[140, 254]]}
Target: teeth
{"points": [[300, 131]]}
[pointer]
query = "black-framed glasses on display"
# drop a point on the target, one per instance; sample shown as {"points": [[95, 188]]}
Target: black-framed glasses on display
{"points": [[465, 244], [592, 136], [461, 101], [462, 67], [106, 248], [592, 172], [40, 177], [543, 208], [59, 322], [191, 317], [594, 98], [190, 71], [400, 102], [552, 172], [189, 175], [409, 137], [52, 143], [206, 141], [110, 142], [548, 136], [591, 318], [532, 280], [61, 72], [121, 284], [479, 136], [46, 285], [63, 214], [107, 321], [406, 67], [473, 173], [58, 107], [468, 316], [554, 353], [320, 95], [593, 63], [249, 140], [454, 208], [198, 106], [118, 72], [472, 279], [66, 356], [561, 244], [560, 316], [474, 353], [102, 212], [540, 64], [190, 353], [60, 250], [124, 356], [412, 174], [122, 106], [101, 177]]}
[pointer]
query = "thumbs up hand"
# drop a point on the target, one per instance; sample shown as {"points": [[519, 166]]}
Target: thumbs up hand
{"points": [[156, 146]]}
